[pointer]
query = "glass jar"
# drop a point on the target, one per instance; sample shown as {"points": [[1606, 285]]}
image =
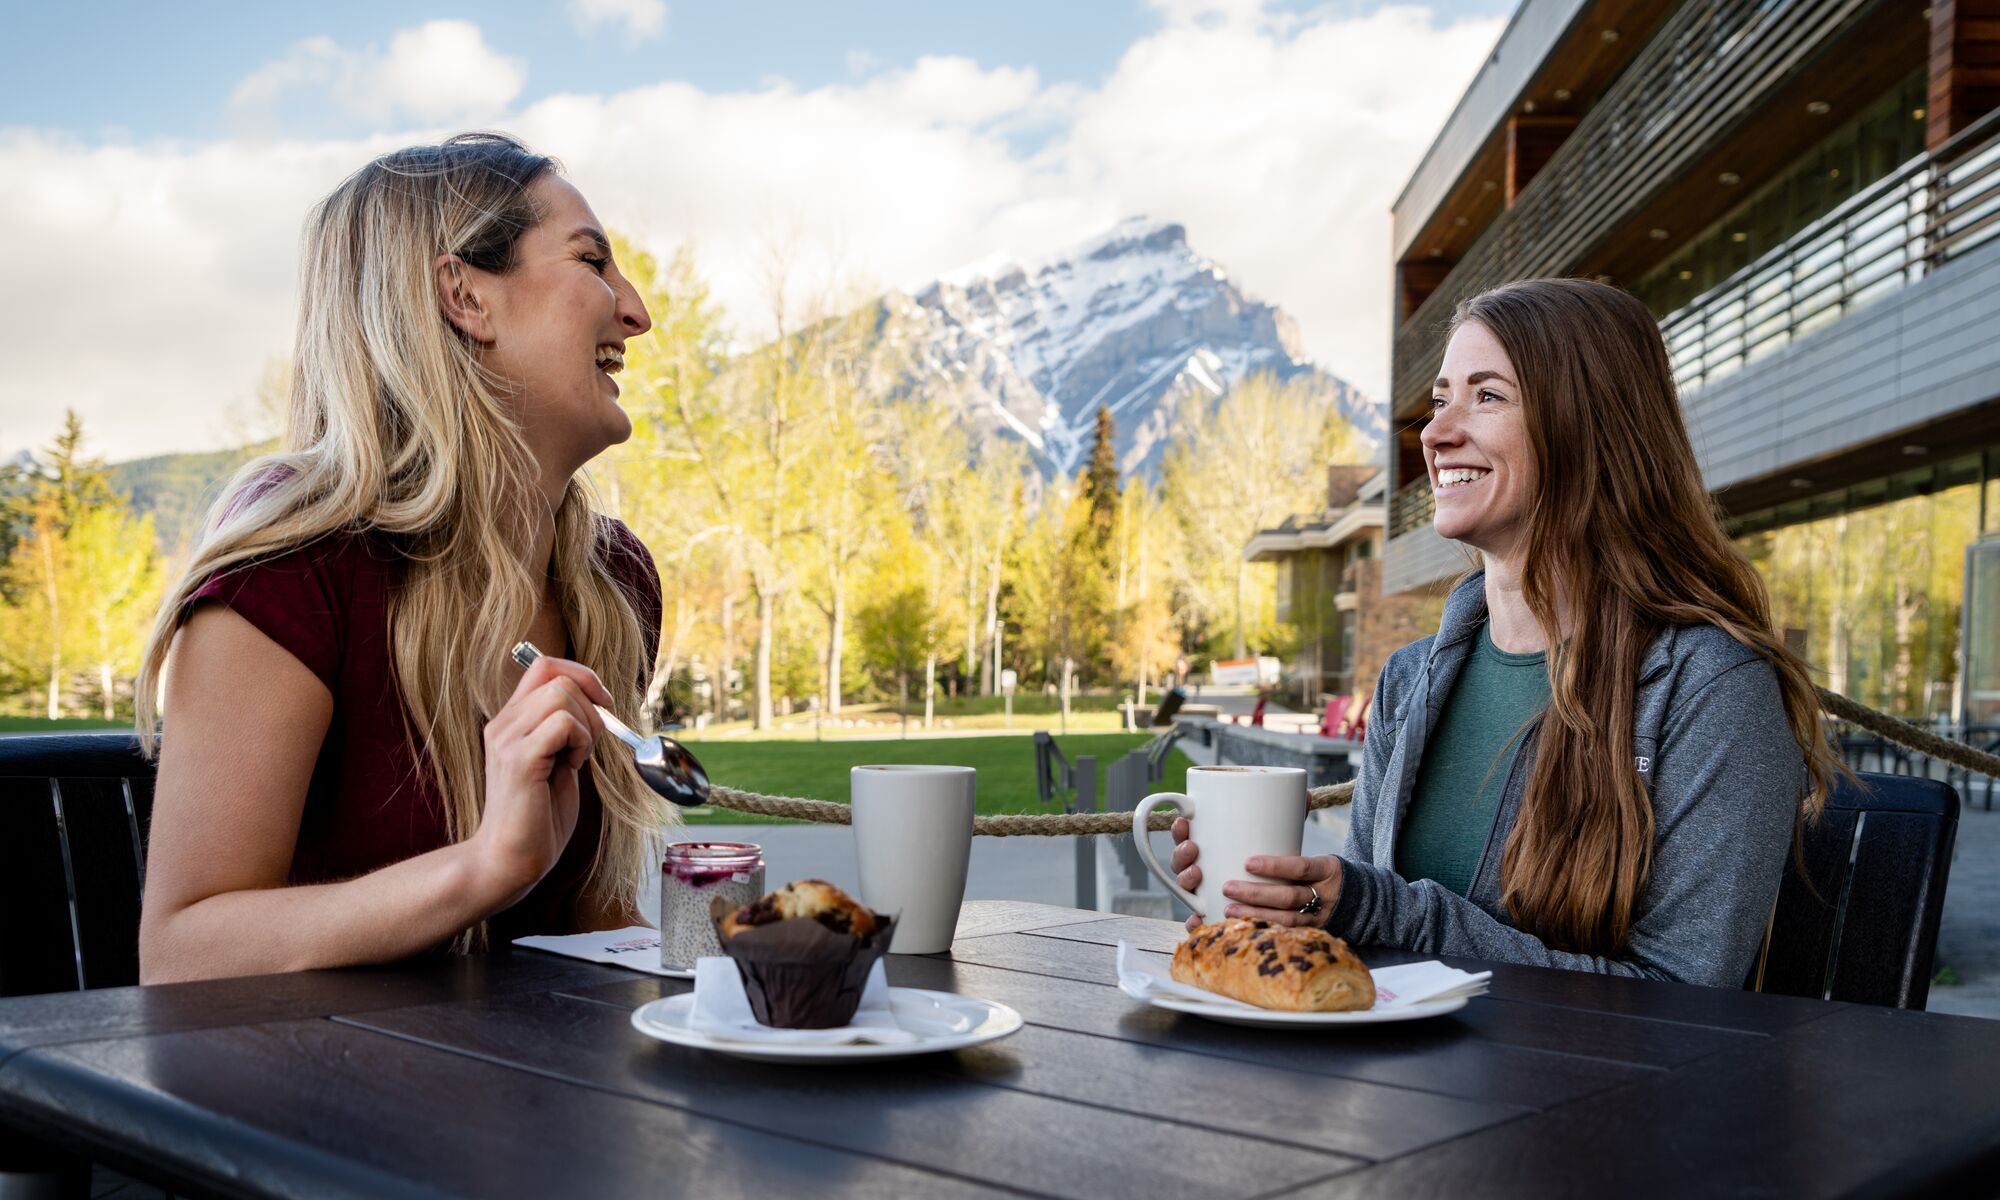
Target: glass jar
{"points": [[692, 876]]}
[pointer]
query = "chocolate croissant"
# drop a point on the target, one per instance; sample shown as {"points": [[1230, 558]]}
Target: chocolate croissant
{"points": [[1293, 970]]}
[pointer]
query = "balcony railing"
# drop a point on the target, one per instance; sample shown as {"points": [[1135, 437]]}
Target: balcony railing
{"points": [[1933, 209], [1411, 506], [1710, 63]]}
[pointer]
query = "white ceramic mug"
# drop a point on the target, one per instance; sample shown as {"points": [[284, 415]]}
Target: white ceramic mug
{"points": [[912, 843], [1234, 813]]}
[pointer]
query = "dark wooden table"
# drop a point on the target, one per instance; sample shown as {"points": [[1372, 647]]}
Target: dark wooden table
{"points": [[519, 1075]]}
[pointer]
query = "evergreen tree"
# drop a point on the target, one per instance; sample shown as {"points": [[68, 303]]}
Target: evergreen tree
{"points": [[1099, 482]]}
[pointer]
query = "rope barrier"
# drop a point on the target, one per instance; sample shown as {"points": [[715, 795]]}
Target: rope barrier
{"points": [[823, 812], [1908, 736], [999, 825]]}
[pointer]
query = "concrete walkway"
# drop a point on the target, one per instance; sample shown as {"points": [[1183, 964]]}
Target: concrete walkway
{"points": [[1969, 939]]}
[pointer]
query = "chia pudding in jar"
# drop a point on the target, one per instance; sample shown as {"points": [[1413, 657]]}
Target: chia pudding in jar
{"points": [[693, 875]]}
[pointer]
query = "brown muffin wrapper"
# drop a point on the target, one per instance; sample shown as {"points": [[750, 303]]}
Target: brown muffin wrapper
{"points": [[798, 973]]}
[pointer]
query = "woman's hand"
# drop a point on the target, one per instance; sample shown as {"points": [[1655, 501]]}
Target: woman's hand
{"points": [[1279, 903], [1183, 861], [535, 745], [1313, 877]]}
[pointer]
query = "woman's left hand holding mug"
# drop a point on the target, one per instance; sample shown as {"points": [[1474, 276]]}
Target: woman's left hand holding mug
{"points": [[1314, 886], [1312, 877]]}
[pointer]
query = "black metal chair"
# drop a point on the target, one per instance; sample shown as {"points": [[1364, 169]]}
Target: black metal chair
{"points": [[1866, 929], [74, 810]]}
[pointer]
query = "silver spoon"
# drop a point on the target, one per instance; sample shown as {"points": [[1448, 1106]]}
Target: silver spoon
{"points": [[667, 766]]}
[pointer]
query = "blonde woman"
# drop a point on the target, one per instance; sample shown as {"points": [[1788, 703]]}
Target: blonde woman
{"points": [[350, 768]]}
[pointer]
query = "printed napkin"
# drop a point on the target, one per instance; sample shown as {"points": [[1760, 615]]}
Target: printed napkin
{"points": [[722, 1010], [636, 947], [1143, 976]]}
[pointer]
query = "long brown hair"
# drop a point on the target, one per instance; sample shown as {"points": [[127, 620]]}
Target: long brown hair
{"points": [[1622, 543]]}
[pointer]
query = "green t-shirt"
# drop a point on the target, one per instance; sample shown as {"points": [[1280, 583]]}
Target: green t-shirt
{"points": [[1466, 762]]}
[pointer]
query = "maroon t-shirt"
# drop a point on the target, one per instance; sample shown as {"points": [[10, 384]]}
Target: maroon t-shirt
{"points": [[372, 801]]}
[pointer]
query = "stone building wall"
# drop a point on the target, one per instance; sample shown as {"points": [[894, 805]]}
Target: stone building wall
{"points": [[1384, 624]]}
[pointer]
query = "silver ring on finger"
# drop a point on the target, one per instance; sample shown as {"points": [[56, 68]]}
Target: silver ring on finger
{"points": [[1313, 905]]}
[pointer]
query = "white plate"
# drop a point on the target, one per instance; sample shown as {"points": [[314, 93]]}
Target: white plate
{"points": [[941, 1021], [1232, 1015]]}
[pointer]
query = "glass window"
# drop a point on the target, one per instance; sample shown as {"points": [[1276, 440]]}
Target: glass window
{"points": [[1872, 582]]}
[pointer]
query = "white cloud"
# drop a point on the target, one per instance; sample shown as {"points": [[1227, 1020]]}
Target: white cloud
{"points": [[642, 20], [439, 72], [1280, 148]]}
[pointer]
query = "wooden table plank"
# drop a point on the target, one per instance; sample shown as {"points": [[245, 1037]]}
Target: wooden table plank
{"points": [[1347, 1116], [1439, 1056], [1687, 1004], [44, 1020], [1869, 1100], [905, 1112], [977, 918], [322, 1109], [1592, 1034]]}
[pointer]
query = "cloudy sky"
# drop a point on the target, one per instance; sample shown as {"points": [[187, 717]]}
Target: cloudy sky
{"points": [[155, 167]]}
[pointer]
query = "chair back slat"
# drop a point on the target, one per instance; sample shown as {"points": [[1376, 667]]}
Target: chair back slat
{"points": [[101, 836], [37, 936], [1802, 933], [1878, 858], [1896, 897], [74, 813]]}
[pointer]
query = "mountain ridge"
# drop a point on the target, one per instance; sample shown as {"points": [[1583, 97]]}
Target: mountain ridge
{"points": [[1133, 319]]}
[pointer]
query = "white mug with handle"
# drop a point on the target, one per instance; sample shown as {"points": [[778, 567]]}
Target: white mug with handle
{"points": [[1234, 814]]}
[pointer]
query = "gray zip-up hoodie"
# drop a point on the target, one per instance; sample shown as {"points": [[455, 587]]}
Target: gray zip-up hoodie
{"points": [[1711, 743]]}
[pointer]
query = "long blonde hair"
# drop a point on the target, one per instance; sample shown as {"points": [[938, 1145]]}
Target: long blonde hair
{"points": [[1623, 537], [395, 430]]}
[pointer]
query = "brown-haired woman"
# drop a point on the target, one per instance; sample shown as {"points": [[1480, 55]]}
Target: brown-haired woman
{"points": [[1599, 759]]}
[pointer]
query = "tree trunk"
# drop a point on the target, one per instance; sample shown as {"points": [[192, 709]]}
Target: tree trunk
{"points": [[1242, 569], [836, 648], [971, 659], [104, 683], [903, 698], [55, 624], [991, 683], [766, 613], [722, 657], [664, 667], [930, 688], [1065, 695]]}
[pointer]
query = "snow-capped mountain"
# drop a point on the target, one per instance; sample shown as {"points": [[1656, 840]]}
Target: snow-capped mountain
{"points": [[1134, 320]]}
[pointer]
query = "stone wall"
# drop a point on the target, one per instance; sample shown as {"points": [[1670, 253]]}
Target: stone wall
{"points": [[1384, 624]]}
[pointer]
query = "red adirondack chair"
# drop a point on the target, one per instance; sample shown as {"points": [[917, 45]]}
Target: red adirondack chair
{"points": [[1335, 717], [1256, 714], [1357, 720]]}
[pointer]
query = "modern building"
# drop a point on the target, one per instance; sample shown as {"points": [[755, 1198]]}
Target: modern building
{"points": [[1807, 193], [1329, 581]]}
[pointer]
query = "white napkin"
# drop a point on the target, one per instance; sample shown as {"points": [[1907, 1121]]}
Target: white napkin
{"points": [[1144, 976], [636, 947], [722, 1010]]}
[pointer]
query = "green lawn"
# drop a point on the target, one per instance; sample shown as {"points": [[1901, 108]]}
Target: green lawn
{"points": [[1092, 713], [818, 770], [64, 725]]}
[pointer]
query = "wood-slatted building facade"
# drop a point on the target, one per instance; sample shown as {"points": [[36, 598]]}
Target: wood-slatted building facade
{"points": [[1807, 193]]}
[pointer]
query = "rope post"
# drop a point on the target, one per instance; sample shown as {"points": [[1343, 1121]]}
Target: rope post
{"points": [[1086, 850]]}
